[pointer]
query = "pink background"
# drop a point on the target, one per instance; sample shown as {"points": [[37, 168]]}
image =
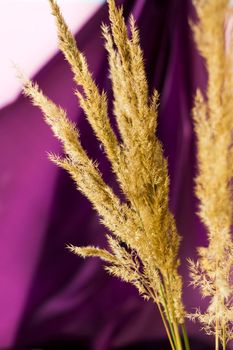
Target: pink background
{"points": [[28, 36]]}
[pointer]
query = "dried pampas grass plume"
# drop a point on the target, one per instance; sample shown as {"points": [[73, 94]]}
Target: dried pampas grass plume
{"points": [[213, 125], [144, 242]]}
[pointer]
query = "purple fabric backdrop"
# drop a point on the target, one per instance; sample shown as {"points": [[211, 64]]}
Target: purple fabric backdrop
{"points": [[46, 293]]}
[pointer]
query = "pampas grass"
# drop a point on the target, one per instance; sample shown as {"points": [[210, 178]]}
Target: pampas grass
{"points": [[143, 241], [213, 125]]}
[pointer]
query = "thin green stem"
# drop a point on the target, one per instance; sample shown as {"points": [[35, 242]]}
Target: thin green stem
{"points": [[185, 337], [177, 334], [166, 327], [168, 315], [173, 330], [170, 337]]}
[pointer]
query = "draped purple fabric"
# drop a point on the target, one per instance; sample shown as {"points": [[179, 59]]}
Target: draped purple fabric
{"points": [[47, 295]]}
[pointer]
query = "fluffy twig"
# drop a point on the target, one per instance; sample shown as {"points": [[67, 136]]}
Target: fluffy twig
{"points": [[213, 125], [144, 242]]}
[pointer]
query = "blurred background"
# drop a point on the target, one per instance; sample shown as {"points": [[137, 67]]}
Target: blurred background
{"points": [[50, 299], [28, 36]]}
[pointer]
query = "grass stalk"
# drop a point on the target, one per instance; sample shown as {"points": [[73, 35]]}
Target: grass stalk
{"points": [[224, 337], [167, 312], [169, 335], [185, 337], [167, 328], [177, 335]]}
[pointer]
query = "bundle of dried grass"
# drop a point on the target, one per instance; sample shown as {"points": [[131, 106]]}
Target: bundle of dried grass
{"points": [[213, 125], [143, 239]]}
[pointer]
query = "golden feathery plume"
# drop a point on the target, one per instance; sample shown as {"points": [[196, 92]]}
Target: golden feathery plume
{"points": [[144, 241], [213, 125]]}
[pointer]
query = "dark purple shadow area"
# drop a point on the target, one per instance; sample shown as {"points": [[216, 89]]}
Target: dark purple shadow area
{"points": [[83, 345], [47, 295]]}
